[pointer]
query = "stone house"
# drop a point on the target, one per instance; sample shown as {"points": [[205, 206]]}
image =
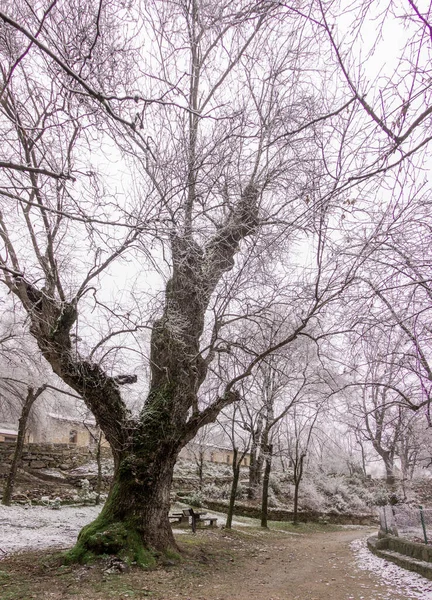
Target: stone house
{"points": [[57, 428], [211, 453], [8, 433]]}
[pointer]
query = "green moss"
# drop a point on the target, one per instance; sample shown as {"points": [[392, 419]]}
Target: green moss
{"points": [[104, 537], [141, 556], [109, 541], [172, 555]]}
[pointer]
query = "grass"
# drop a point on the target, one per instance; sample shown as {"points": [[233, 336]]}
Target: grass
{"points": [[308, 527]]}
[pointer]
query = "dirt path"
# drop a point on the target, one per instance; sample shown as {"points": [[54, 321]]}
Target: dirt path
{"points": [[298, 567], [304, 567]]}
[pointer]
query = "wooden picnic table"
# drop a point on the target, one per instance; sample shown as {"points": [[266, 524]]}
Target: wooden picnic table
{"points": [[199, 517], [190, 515]]}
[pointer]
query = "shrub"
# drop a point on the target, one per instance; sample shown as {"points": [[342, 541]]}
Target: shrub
{"points": [[194, 499]]}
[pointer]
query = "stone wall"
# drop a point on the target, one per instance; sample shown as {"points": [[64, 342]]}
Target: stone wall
{"points": [[286, 515], [49, 456]]}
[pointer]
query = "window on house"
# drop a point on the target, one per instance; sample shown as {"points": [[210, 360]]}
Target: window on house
{"points": [[228, 459], [10, 439], [211, 456], [73, 436], [245, 462]]}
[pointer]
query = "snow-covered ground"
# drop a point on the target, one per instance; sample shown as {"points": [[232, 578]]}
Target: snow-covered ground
{"points": [[38, 527], [42, 527], [411, 585]]}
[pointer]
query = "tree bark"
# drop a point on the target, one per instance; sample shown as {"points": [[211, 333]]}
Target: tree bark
{"points": [[22, 426], [390, 476], [256, 461], [255, 465], [200, 468], [134, 518], [388, 460], [298, 474], [266, 482], [99, 467], [234, 486]]}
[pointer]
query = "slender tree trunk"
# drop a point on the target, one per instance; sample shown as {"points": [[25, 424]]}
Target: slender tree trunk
{"points": [[255, 475], [363, 455], [251, 485], [389, 468], [296, 497], [266, 482], [200, 468], [255, 465], [99, 468], [22, 426], [298, 474], [390, 476], [234, 486]]}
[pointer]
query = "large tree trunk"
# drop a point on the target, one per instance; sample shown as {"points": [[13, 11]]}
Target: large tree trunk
{"points": [[134, 518]]}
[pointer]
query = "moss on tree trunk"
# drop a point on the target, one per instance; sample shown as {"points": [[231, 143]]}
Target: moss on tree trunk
{"points": [[133, 523]]}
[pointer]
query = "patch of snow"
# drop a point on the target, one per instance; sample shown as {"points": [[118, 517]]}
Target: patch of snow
{"points": [[40, 527], [52, 473], [91, 468], [411, 585]]}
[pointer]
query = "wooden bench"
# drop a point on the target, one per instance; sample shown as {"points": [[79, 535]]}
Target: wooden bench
{"points": [[212, 521], [175, 518], [178, 518]]}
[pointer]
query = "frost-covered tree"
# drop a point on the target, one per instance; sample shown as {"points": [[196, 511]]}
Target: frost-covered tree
{"points": [[162, 163]]}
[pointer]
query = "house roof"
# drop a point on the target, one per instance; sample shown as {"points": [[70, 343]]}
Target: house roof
{"points": [[6, 431], [76, 420]]}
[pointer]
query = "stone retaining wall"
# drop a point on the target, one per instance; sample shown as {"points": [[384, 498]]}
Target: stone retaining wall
{"points": [[408, 555], [50, 456], [303, 516], [406, 547]]}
